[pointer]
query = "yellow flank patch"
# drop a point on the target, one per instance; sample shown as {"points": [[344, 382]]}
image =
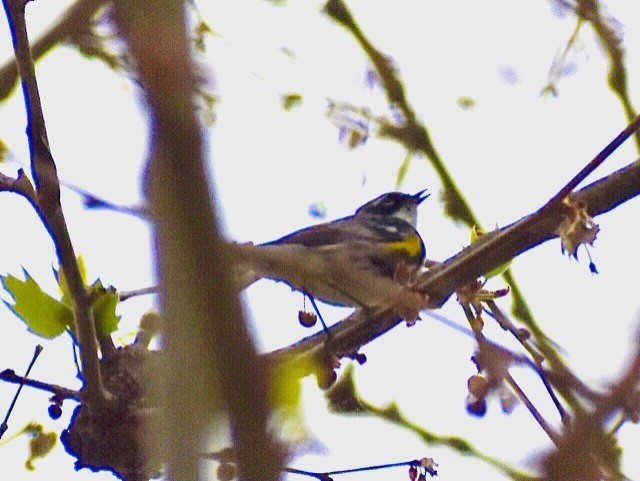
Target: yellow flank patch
{"points": [[411, 245]]}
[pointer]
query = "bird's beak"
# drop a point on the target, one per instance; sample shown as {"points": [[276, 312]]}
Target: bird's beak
{"points": [[420, 196]]}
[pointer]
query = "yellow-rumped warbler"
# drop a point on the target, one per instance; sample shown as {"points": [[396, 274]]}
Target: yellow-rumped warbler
{"points": [[352, 261]]}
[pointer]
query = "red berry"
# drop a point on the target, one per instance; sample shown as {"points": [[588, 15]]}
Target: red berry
{"points": [[307, 319], [55, 411]]}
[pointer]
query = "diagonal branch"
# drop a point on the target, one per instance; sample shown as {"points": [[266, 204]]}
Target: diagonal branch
{"points": [[489, 252], [504, 244], [48, 203]]}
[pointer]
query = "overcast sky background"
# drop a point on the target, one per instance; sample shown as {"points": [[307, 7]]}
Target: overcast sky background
{"points": [[509, 153]]}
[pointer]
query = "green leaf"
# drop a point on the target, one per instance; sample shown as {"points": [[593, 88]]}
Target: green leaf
{"points": [[103, 305], [62, 281], [43, 315]]}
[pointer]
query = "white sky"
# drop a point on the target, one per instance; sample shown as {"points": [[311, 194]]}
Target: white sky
{"points": [[509, 154]]}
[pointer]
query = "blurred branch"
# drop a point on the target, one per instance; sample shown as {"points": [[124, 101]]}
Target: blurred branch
{"points": [[586, 450], [206, 337], [611, 39], [75, 18], [555, 72], [411, 133], [48, 204]]}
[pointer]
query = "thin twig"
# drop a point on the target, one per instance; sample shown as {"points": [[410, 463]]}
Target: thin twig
{"points": [[546, 427], [228, 456], [125, 295], [520, 334], [564, 415], [520, 359], [538, 358], [319, 475], [559, 63], [611, 147], [9, 375], [5, 423], [92, 201]]}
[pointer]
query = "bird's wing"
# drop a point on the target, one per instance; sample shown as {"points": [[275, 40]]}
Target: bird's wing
{"points": [[327, 234], [341, 230]]}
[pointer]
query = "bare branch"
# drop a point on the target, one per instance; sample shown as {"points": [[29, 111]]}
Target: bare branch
{"points": [[8, 375], [491, 251], [48, 202], [595, 163]]}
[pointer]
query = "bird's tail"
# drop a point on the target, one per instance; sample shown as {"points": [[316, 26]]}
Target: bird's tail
{"points": [[289, 263]]}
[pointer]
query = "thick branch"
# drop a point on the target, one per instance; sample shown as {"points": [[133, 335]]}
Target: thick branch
{"points": [[206, 337], [491, 251], [504, 244]]}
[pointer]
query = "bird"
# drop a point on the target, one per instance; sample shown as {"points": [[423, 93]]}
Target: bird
{"points": [[355, 261]]}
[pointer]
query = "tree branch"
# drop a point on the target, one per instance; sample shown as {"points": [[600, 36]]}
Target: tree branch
{"points": [[206, 337], [9, 375], [48, 204], [489, 252]]}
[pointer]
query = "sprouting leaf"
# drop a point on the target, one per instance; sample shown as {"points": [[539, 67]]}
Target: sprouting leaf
{"points": [[403, 169], [103, 305], [290, 100], [466, 102], [49, 317], [43, 315], [103, 300], [200, 32], [62, 281], [577, 228]]}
